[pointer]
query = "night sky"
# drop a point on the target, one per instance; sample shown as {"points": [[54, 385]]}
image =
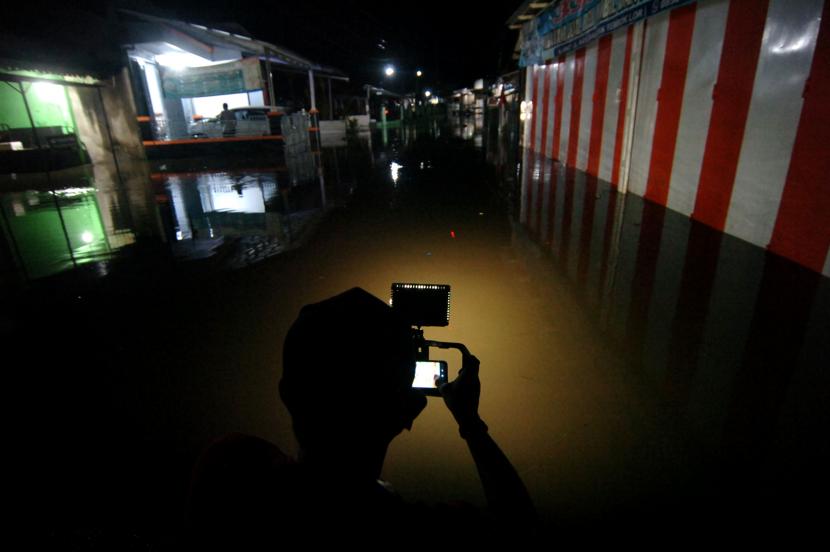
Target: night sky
{"points": [[454, 43]]}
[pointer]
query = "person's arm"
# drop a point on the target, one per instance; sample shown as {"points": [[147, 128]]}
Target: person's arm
{"points": [[505, 492]]}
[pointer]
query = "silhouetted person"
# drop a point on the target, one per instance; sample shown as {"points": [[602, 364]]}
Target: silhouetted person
{"points": [[348, 366], [228, 120]]}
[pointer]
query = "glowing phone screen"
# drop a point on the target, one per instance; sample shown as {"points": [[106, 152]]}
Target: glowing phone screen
{"points": [[425, 372]]}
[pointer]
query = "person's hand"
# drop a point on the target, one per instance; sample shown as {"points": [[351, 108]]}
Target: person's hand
{"points": [[462, 394]]}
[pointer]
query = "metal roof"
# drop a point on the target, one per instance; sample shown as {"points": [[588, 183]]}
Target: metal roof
{"points": [[14, 70], [219, 38]]}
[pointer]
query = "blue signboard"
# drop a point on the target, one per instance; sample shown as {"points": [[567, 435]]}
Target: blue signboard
{"points": [[572, 24]]}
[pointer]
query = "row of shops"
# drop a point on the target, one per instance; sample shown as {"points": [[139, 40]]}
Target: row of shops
{"points": [[182, 73], [715, 109], [162, 80]]}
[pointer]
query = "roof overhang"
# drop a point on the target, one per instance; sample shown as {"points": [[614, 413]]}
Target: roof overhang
{"points": [[217, 44], [15, 71], [527, 11]]}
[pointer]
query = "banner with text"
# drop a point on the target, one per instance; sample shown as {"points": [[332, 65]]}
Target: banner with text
{"points": [[571, 24], [212, 80]]}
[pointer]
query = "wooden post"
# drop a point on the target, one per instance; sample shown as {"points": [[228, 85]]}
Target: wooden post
{"points": [[272, 101], [331, 103], [109, 135], [29, 113]]}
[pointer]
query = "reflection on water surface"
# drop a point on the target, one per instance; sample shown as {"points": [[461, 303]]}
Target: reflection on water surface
{"points": [[634, 365], [56, 222]]}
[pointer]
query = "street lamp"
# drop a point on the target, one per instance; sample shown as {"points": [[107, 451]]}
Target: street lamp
{"points": [[389, 70], [419, 73], [427, 93]]}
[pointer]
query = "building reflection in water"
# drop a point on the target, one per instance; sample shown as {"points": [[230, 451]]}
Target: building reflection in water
{"points": [[732, 340], [245, 217], [52, 231], [55, 222], [469, 127]]}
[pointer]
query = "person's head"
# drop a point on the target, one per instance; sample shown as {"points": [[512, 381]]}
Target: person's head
{"points": [[348, 366], [225, 106]]}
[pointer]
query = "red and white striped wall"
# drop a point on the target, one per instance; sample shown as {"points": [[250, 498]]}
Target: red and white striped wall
{"points": [[718, 110]]}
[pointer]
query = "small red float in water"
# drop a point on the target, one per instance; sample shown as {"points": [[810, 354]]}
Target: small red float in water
{"points": [[452, 234]]}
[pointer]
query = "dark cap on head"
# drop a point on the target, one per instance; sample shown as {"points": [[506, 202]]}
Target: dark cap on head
{"points": [[349, 358]]}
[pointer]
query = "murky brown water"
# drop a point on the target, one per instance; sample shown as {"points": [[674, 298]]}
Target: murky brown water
{"points": [[631, 362]]}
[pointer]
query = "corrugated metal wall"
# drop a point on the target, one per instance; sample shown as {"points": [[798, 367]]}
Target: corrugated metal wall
{"points": [[717, 110]]}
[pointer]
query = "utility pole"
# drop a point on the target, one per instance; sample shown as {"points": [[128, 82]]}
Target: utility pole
{"points": [[311, 89]]}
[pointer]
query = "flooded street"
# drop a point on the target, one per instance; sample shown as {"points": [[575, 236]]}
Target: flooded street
{"points": [[635, 365]]}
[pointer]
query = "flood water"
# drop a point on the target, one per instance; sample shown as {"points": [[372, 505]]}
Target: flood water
{"points": [[638, 369]]}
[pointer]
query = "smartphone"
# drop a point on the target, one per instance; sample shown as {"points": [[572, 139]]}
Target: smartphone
{"points": [[425, 372]]}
